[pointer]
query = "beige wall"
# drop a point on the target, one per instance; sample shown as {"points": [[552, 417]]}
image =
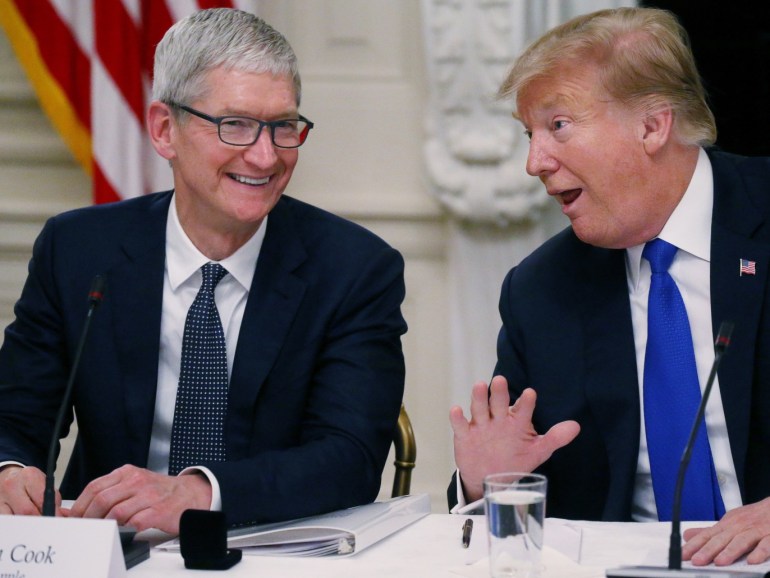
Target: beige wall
{"points": [[364, 88]]}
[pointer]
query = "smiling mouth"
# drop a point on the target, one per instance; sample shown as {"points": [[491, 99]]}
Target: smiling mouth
{"points": [[248, 180]]}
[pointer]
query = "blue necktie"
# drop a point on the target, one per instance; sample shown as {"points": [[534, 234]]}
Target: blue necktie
{"points": [[197, 435], [671, 398]]}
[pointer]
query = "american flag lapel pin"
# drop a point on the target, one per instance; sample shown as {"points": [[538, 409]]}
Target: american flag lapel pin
{"points": [[747, 267]]}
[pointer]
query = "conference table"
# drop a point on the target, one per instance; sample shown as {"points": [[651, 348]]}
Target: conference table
{"points": [[432, 547]]}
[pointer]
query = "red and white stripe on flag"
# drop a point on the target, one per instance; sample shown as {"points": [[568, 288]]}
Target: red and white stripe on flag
{"points": [[90, 63]]}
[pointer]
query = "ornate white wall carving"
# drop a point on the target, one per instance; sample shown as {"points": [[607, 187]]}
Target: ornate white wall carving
{"points": [[474, 153]]}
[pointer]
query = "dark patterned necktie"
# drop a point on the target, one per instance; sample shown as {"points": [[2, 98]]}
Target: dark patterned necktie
{"points": [[197, 435], [671, 398]]}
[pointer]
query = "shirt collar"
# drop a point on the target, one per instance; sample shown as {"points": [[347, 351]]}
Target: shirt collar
{"points": [[183, 259], [689, 226]]}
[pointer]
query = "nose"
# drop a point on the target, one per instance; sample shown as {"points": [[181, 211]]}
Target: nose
{"points": [[540, 161], [262, 153]]}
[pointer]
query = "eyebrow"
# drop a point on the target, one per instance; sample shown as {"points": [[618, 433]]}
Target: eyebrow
{"points": [[294, 113]]}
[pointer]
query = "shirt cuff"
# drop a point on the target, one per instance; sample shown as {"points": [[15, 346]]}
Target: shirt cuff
{"points": [[462, 507], [216, 493]]}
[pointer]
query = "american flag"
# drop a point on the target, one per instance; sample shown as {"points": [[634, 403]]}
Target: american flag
{"points": [[748, 267], [90, 64]]}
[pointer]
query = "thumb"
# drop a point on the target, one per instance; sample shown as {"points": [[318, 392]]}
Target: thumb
{"points": [[560, 435]]}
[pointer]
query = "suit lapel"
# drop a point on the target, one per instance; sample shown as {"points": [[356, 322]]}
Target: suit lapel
{"points": [[275, 296], [135, 286], [737, 298], [611, 382]]}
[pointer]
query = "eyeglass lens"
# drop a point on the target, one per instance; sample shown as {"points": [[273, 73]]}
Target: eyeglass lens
{"points": [[244, 131]]}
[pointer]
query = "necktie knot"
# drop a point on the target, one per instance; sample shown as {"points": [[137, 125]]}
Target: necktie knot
{"points": [[660, 254], [212, 275]]}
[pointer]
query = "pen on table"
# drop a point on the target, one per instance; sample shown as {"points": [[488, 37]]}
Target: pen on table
{"points": [[467, 529]]}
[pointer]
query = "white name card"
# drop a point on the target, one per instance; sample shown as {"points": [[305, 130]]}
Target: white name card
{"points": [[43, 547]]}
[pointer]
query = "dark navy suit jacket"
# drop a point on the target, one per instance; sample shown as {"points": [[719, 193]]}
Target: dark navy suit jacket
{"points": [[318, 375], [567, 333]]}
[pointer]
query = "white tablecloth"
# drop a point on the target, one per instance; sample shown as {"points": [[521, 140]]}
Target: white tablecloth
{"points": [[432, 547]]}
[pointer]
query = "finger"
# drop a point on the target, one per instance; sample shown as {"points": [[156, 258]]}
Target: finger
{"points": [[36, 492], [525, 406], [146, 518], [21, 504], [560, 435], [695, 539], [499, 398], [458, 422], [760, 553], [740, 545], [85, 506], [138, 490], [163, 516], [144, 511], [125, 510], [690, 533], [480, 403], [709, 551], [80, 505], [59, 508]]}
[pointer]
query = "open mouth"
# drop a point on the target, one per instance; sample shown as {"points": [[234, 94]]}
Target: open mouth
{"points": [[249, 180], [568, 197]]}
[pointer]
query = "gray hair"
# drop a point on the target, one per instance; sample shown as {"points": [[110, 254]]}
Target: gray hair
{"points": [[644, 61], [218, 37]]}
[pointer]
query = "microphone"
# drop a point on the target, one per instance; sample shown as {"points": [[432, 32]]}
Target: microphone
{"points": [[675, 547], [95, 296]]}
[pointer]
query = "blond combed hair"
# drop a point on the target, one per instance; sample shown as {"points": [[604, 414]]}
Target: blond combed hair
{"points": [[643, 58]]}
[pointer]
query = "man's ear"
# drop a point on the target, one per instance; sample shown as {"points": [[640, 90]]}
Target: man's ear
{"points": [[160, 127], [658, 125]]}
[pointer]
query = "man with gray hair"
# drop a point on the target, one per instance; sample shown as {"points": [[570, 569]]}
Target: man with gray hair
{"points": [[247, 355], [610, 325]]}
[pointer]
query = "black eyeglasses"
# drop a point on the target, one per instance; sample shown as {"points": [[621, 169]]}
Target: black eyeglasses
{"points": [[288, 133]]}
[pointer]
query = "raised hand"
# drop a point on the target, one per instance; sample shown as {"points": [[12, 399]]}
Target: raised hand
{"points": [[500, 438]]}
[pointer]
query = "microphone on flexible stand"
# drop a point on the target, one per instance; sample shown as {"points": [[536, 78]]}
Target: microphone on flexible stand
{"points": [[95, 296], [675, 547]]}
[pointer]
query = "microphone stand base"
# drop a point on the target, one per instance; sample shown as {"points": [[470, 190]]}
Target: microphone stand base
{"points": [[661, 572]]}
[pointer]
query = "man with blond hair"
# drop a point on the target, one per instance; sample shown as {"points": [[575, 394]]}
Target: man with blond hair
{"points": [[620, 136]]}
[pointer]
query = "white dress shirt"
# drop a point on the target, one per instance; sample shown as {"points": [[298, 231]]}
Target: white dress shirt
{"points": [[182, 280], [689, 229]]}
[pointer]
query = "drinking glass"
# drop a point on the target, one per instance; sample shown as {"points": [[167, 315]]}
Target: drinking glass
{"points": [[514, 503]]}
